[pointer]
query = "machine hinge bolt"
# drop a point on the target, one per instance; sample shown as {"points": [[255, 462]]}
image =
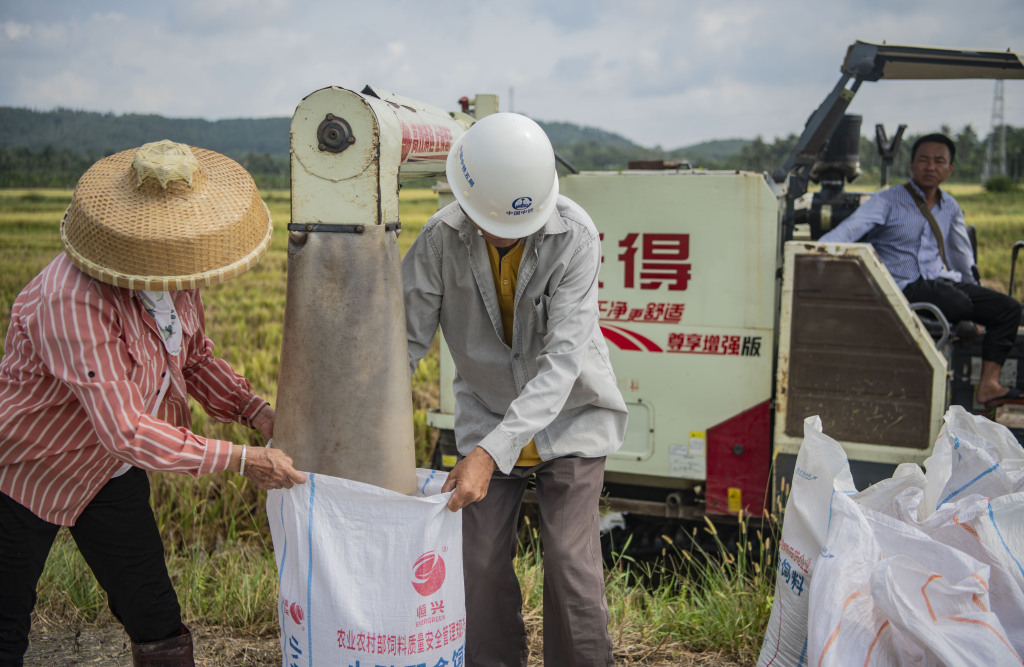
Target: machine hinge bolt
{"points": [[334, 134]]}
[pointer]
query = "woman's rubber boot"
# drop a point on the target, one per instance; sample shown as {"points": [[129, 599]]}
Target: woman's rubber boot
{"points": [[173, 652]]}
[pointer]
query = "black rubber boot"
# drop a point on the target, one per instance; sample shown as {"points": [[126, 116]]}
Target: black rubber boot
{"points": [[173, 652]]}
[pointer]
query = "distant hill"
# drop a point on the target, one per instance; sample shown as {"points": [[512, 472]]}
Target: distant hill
{"points": [[566, 134], [98, 134], [53, 148], [719, 150]]}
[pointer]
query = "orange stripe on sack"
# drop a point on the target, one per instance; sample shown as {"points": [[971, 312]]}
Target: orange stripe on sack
{"points": [[977, 600], [983, 624], [984, 584], [878, 635], [835, 633], [969, 529], [925, 595]]}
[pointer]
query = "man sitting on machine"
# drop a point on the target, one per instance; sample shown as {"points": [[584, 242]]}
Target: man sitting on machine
{"points": [[919, 234]]}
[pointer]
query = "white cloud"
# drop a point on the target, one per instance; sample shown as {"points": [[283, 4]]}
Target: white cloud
{"points": [[668, 73], [14, 31]]}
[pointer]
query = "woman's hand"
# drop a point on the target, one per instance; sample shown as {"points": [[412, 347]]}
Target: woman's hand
{"points": [[268, 468], [264, 421]]}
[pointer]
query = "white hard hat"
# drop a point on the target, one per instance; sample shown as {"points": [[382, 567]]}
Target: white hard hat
{"points": [[502, 173]]}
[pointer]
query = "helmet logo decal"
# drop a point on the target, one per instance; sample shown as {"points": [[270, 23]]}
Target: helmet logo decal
{"points": [[465, 169], [521, 206]]}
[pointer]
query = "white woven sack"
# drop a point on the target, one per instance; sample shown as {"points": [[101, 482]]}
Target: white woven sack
{"points": [[821, 471], [368, 576], [973, 455], [888, 496], [921, 568], [1002, 531], [887, 593]]}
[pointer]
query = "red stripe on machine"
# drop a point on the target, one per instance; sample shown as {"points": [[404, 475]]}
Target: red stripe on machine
{"points": [[625, 339]]}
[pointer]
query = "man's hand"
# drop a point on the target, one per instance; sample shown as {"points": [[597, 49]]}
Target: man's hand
{"points": [[470, 478], [271, 468]]}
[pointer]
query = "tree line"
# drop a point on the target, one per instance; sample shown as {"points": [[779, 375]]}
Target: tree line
{"points": [[61, 168], [54, 148], [971, 155], [51, 167]]}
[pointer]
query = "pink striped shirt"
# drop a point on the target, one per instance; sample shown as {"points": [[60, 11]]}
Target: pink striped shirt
{"points": [[82, 366]]}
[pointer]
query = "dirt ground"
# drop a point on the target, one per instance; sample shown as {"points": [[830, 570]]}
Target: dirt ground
{"points": [[57, 645], [51, 645]]}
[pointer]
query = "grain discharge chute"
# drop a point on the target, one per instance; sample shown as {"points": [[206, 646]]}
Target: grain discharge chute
{"points": [[344, 403]]}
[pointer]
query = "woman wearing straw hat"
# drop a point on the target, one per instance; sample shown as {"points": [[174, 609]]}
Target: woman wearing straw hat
{"points": [[104, 348]]}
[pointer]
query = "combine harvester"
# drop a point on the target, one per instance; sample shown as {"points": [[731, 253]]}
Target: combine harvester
{"points": [[728, 326]]}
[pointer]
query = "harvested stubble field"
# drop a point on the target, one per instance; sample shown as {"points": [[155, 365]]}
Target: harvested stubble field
{"points": [[215, 529]]}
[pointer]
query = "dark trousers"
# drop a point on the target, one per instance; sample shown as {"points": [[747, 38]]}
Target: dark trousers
{"points": [[118, 537], [575, 610], [997, 312]]}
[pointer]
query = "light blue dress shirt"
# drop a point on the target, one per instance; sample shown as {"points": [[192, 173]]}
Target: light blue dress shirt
{"points": [[894, 225]]}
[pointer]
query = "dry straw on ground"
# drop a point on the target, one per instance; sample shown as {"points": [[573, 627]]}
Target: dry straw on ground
{"points": [[60, 642]]}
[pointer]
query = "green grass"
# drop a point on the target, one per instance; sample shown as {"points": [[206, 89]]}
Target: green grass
{"points": [[233, 585], [687, 601], [999, 218], [29, 239]]}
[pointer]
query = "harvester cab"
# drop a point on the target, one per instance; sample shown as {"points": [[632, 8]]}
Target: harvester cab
{"points": [[879, 371], [728, 325]]}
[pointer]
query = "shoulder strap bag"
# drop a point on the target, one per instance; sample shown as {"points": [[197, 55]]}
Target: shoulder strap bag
{"points": [[931, 221]]}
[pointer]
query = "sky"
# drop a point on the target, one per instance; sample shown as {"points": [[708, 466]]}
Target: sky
{"points": [[658, 72]]}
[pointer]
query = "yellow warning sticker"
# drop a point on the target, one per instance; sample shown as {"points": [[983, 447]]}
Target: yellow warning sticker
{"points": [[695, 447], [735, 500]]}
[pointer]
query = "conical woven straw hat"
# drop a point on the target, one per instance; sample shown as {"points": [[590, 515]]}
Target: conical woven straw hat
{"points": [[166, 217]]}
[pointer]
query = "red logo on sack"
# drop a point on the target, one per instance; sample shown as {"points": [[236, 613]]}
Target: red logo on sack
{"points": [[296, 612], [428, 574]]}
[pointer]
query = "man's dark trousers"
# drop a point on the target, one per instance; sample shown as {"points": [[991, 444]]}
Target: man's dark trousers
{"points": [[997, 312]]}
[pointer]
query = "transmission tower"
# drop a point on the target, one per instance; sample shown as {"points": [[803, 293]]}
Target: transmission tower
{"points": [[995, 152]]}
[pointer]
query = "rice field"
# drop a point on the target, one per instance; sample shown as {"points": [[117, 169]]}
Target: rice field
{"points": [[215, 528]]}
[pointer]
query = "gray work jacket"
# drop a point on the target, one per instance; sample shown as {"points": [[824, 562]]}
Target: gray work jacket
{"points": [[555, 384]]}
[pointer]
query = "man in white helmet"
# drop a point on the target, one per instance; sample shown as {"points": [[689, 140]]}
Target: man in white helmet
{"points": [[509, 272]]}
